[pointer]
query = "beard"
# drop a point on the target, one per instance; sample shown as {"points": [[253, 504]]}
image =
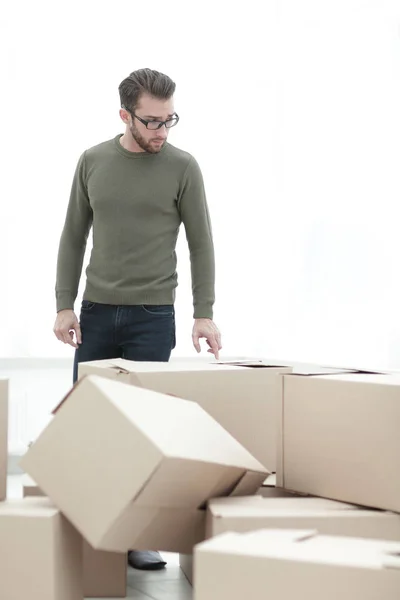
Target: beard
{"points": [[146, 145]]}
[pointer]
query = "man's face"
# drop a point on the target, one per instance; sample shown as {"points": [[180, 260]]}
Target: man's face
{"points": [[151, 109]]}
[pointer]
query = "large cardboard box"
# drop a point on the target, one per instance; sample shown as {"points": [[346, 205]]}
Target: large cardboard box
{"points": [[40, 552], [3, 437], [326, 516], [132, 468], [296, 564], [340, 438], [104, 573], [243, 397]]}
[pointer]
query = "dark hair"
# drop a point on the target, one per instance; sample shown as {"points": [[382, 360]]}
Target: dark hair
{"points": [[145, 81]]}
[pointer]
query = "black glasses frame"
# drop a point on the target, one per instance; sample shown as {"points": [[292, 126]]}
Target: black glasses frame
{"points": [[160, 123]]}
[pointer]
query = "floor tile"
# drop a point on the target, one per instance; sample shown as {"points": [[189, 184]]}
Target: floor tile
{"points": [[171, 573], [132, 595], [178, 589]]}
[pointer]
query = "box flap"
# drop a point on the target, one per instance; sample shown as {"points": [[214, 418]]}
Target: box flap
{"points": [[270, 481], [258, 505], [129, 367], [385, 379], [311, 370], [247, 484], [254, 364], [120, 365]]}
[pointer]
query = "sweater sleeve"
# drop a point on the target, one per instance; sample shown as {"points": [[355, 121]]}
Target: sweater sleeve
{"points": [[195, 216], [73, 240]]}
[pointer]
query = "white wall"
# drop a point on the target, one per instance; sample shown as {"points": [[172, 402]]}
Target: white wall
{"points": [[291, 108], [35, 388]]}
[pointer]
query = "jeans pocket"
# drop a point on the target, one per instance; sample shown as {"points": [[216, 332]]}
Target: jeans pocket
{"points": [[87, 305], [159, 310]]}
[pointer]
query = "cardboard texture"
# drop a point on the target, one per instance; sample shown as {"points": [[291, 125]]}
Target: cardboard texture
{"points": [[132, 468], [340, 438], [296, 564], [243, 396], [186, 565], [3, 437], [326, 516], [40, 552], [104, 573]]}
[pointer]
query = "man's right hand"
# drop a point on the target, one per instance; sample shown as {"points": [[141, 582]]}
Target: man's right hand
{"points": [[65, 326]]}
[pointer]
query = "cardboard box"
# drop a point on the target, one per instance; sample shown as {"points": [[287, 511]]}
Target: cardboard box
{"points": [[326, 516], [132, 468], [40, 552], [104, 573], [340, 438], [3, 437], [243, 397], [186, 565], [296, 564]]}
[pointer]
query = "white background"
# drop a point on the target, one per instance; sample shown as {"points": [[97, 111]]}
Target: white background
{"points": [[291, 107]]}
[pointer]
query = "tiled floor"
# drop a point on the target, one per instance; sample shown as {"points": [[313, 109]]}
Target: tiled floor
{"points": [[169, 584]]}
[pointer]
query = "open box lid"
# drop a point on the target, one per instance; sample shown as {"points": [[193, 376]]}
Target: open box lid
{"points": [[255, 363], [306, 369], [309, 370], [127, 367]]}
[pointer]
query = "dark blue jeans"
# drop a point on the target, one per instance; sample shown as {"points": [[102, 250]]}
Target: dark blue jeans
{"points": [[139, 332]]}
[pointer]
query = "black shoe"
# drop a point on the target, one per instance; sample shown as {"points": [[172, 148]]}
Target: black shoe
{"points": [[146, 560]]}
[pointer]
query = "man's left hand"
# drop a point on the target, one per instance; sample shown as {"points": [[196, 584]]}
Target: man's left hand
{"points": [[206, 328]]}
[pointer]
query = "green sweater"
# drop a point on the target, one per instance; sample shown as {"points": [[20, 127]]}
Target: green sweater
{"points": [[136, 203]]}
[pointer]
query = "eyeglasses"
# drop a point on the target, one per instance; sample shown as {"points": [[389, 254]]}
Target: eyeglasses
{"points": [[156, 124]]}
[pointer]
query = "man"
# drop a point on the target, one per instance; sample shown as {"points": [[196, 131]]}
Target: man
{"points": [[135, 191]]}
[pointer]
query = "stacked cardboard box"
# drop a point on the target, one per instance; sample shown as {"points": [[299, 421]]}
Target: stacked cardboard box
{"points": [[328, 517], [118, 467], [40, 552], [337, 439], [165, 456], [104, 573], [296, 564]]}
